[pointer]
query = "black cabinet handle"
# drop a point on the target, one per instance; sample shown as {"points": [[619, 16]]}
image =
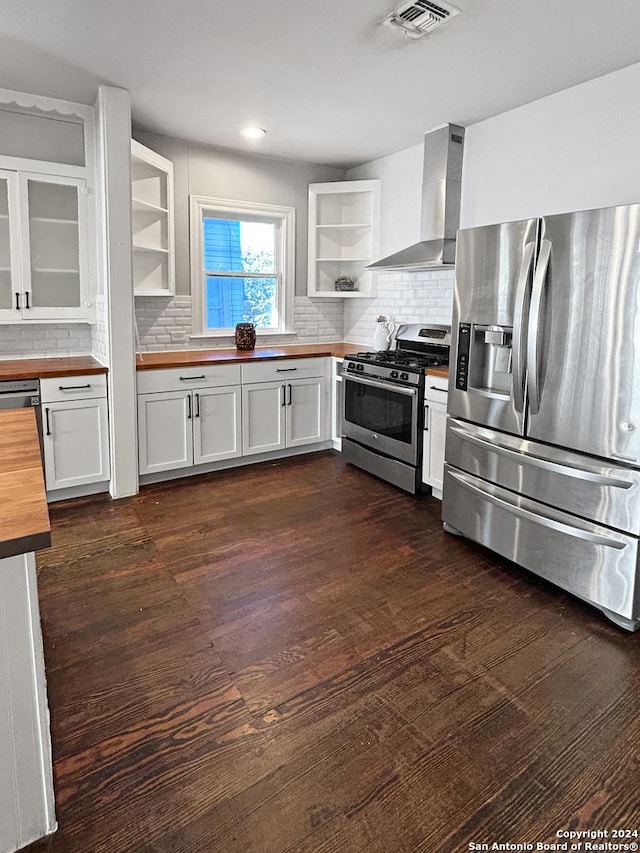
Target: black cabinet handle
{"points": [[435, 388], [285, 369], [17, 301], [189, 407], [26, 299], [426, 418], [46, 414], [289, 403], [73, 387], [191, 378], [284, 396], [197, 405]]}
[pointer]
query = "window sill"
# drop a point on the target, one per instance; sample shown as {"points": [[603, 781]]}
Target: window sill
{"points": [[224, 337]]}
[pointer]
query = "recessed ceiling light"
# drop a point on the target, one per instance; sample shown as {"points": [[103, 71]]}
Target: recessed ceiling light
{"points": [[253, 132]]}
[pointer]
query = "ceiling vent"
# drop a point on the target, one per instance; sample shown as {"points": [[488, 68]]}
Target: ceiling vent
{"points": [[420, 17]]}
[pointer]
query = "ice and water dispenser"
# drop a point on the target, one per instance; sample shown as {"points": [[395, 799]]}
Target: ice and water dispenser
{"points": [[484, 358]]}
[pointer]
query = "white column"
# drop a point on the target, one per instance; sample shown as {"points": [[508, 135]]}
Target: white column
{"points": [[26, 777], [113, 109]]}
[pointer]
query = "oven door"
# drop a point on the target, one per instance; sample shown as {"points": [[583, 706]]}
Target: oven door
{"points": [[381, 416]]}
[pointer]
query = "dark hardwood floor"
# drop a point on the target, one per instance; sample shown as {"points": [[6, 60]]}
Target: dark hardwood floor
{"points": [[295, 657]]}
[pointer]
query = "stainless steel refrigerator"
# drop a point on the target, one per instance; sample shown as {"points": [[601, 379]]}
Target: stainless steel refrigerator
{"points": [[543, 431]]}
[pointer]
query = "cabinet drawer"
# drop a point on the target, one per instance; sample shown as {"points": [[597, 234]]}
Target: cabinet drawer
{"points": [[283, 369], [56, 388], [435, 389], [185, 378]]}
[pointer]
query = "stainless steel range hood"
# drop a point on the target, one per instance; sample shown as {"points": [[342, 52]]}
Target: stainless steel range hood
{"points": [[440, 218]]}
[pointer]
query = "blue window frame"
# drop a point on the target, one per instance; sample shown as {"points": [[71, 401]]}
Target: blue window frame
{"points": [[242, 260]]}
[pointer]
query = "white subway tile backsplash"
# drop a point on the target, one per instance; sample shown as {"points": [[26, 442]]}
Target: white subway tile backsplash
{"points": [[40, 340], [161, 321], [402, 297]]}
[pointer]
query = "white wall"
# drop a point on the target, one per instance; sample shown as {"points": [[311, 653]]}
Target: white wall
{"points": [[575, 150], [218, 172], [221, 173], [403, 297], [400, 177]]}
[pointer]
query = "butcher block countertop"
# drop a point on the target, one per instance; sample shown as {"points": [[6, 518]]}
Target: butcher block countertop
{"points": [[40, 368], [24, 519], [438, 371], [184, 358]]}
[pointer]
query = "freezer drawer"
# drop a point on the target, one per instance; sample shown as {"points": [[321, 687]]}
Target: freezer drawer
{"points": [[608, 494], [593, 562]]}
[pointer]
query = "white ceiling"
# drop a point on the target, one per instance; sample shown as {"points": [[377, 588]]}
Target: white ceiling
{"points": [[329, 84]]}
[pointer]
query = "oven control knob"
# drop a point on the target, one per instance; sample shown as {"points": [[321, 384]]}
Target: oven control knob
{"points": [[394, 374], [359, 366], [350, 365], [404, 376]]}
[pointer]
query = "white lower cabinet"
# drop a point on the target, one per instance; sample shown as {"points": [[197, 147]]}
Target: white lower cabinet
{"points": [[289, 408], [75, 431], [263, 424], [178, 429], [216, 424], [165, 433], [203, 415], [435, 424], [306, 412], [188, 416], [283, 414]]}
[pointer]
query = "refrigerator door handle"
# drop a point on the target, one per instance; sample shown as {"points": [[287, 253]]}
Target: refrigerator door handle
{"points": [[538, 518], [593, 476], [539, 279], [520, 328]]}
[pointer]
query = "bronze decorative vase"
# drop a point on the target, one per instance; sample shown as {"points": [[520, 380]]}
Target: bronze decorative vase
{"points": [[245, 336]]}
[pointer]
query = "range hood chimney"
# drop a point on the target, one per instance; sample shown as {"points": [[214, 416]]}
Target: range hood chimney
{"points": [[440, 216]]}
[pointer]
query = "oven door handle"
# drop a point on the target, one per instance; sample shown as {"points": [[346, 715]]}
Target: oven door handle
{"points": [[386, 386]]}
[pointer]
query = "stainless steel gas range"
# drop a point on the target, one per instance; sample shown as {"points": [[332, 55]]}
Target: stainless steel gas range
{"points": [[383, 410]]}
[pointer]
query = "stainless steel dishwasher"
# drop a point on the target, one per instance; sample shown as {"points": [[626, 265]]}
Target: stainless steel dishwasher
{"points": [[22, 394]]}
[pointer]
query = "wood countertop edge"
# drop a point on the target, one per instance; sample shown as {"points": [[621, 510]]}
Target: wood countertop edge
{"points": [[25, 544], [438, 371], [182, 358], [42, 368]]}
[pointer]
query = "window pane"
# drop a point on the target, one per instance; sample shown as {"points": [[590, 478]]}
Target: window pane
{"points": [[233, 245], [232, 299]]}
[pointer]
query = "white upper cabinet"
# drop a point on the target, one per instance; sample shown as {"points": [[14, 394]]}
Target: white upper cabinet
{"points": [[344, 236], [152, 222], [10, 278], [48, 240], [44, 264]]}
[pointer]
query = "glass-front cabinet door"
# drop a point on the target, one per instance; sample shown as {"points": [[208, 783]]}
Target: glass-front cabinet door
{"points": [[10, 278], [54, 251]]}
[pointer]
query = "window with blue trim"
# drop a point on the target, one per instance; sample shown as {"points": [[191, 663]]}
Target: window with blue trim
{"points": [[242, 264], [239, 262]]}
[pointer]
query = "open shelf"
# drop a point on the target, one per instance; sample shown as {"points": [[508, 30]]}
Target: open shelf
{"points": [[140, 206], [53, 220], [152, 222], [150, 249], [342, 225], [343, 237]]}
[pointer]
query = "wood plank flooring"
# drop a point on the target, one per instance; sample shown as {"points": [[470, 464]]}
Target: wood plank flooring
{"points": [[295, 657]]}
